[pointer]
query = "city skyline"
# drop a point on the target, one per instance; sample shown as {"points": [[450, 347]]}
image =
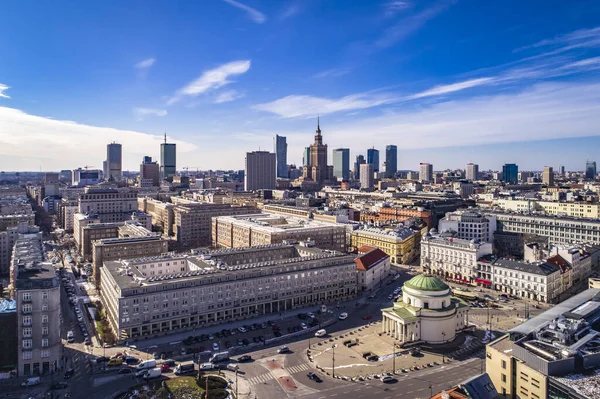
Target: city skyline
{"points": [[427, 78]]}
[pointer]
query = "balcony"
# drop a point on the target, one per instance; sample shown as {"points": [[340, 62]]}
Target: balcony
{"points": [[26, 311]]}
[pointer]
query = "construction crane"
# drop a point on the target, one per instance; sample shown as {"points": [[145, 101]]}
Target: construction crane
{"points": [[86, 167], [187, 168]]}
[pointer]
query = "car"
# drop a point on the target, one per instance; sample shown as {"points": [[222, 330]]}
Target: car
{"points": [[311, 315], [391, 296], [117, 355], [87, 341], [367, 317], [69, 373], [59, 385], [126, 370], [131, 360], [170, 362], [240, 342], [246, 342], [165, 368], [183, 351], [314, 376], [343, 316], [283, 349], [101, 359], [219, 335], [115, 362], [277, 333], [244, 359], [304, 326], [253, 327], [263, 326], [241, 329], [211, 337], [140, 373], [215, 346], [155, 355], [256, 339], [233, 331], [387, 379], [271, 323]]}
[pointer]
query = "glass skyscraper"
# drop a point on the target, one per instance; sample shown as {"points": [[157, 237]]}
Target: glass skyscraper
{"points": [[280, 149], [341, 163], [590, 170], [391, 160], [510, 173], [373, 158], [168, 159], [114, 162]]}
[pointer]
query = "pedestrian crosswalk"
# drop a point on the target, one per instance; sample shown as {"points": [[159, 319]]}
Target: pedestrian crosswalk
{"points": [[299, 368], [260, 379]]}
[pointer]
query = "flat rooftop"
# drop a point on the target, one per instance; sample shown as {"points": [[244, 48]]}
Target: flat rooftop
{"points": [[274, 223]]}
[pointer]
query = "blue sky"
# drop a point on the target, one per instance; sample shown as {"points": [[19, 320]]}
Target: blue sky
{"points": [[448, 82]]}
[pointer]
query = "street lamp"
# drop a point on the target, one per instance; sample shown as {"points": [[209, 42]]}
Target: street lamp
{"points": [[443, 353], [333, 360], [394, 357]]}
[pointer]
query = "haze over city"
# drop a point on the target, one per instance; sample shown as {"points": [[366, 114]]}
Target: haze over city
{"points": [[445, 81]]}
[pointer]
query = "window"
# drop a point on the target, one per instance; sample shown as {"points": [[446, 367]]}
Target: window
{"points": [[44, 318], [27, 344], [504, 364], [44, 342], [27, 320], [27, 296], [27, 332], [45, 295], [44, 330], [44, 307], [503, 377], [27, 355], [27, 308], [45, 353]]}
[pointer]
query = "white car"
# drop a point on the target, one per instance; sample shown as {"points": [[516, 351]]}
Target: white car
{"points": [[215, 346], [241, 329], [304, 326], [311, 315], [343, 316]]}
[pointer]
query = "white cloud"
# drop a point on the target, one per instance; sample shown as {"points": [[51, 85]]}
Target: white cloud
{"points": [[140, 113], [228, 96], [254, 14], [289, 11], [407, 26], [2, 89], [145, 63], [212, 79], [63, 144], [332, 73], [451, 88], [308, 106], [394, 7]]}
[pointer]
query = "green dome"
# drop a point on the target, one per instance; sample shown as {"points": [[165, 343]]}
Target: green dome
{"points": [[426, 283]]}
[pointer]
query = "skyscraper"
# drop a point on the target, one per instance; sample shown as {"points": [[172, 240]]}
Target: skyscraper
{"points": [[114, 159], [548, 176], [373, 158], [149, 172], [360, 159], [472, 172], [260, 171], [425, 172], [168, 158], [306, 157], [318, 170], [510, 173], [590, 170], [280, 149], [366, 176], [341, 163], [391, 160], [561, 170]]}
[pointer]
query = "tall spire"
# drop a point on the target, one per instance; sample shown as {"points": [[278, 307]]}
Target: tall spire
{"points": [[165, 137]]}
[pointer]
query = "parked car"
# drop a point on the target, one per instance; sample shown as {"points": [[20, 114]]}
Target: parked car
{"points": [[170, 362], [115, 362], [101, 359], [283, 349], [165, 368], [321, 333], [241, 329], [125, 371], [244, 359], [387, 379], [314, 376], [215, 346], [131, 360], [304, 326], [59, 385], [69, 373], [343, 316]]}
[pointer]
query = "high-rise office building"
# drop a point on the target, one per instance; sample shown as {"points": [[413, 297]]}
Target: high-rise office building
{"points": [[548, 176], [510, 173], [149, 173], [341, 163], [373, 158], [114, 162], [260, 171], [168, 159], [425, 172], [472, 171], [306, 157], [280, 149], [360, 159], [391, 160], [561, 170], [366, 176], [590, 170]]}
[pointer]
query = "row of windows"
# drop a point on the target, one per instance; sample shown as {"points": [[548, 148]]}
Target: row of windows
{"points": [[27, 296], [28, 343]]}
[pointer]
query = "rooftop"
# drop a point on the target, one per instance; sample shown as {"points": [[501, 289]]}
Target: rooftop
{"points": [[539, 268], [370, 259], [587, 385], [274, 223], [401, 233], [426, 283]]}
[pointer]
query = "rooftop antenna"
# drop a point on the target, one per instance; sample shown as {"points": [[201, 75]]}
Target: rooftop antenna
{"points": [[165, 137]]}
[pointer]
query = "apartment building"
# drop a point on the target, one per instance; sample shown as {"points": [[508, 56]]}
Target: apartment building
{"points": [[552, 355], [65, 210], [193, 222], [16, 216], [469, 225], [558, 230], [159, 295], [93, 232], [161, 213], [540, 281], [35, 287], [559, 208], [372, 267], [264, 229], [401, 244], [452, 258], [131, 241], [389, 214], [110, 205]]}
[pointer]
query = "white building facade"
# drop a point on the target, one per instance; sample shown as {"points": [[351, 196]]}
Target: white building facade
{"points": [[469, 225]]}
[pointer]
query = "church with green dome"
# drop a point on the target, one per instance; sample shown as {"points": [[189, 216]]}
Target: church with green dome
{"points": [[427, 312]]}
